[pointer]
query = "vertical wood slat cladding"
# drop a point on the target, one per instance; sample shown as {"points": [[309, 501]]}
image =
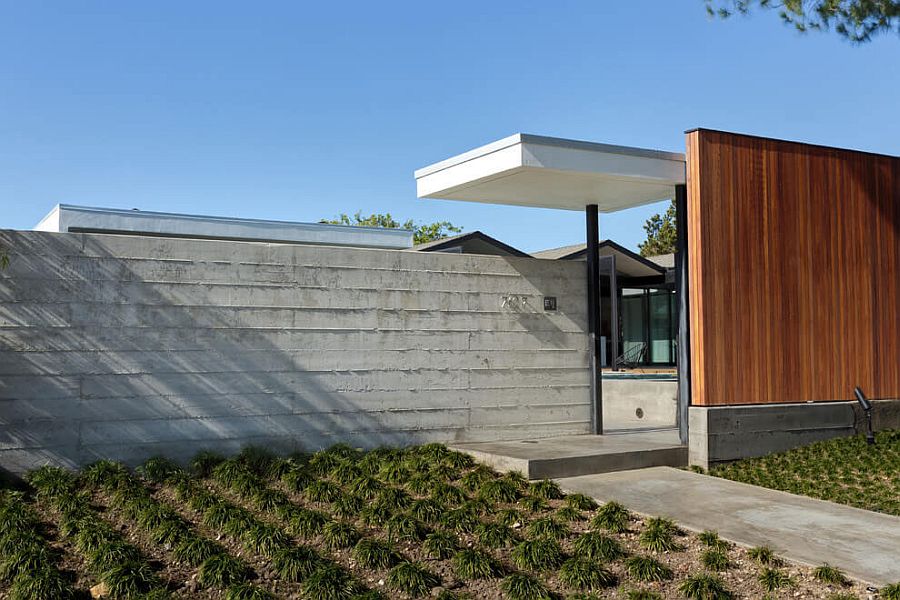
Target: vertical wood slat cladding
{"points": [[794, 259]]}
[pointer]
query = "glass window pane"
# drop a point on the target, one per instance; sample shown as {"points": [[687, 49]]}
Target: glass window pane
{"points": [[660, 327]]}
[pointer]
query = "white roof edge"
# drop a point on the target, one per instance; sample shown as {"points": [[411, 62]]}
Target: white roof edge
{"points": [[186, 216], [72, 218], [541, 140]]}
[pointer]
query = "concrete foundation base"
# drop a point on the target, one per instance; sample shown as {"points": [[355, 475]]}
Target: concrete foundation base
{"points": [[726, 433]]}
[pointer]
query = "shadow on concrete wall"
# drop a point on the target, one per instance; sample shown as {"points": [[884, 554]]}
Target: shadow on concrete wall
{"points": [[87, 372]]}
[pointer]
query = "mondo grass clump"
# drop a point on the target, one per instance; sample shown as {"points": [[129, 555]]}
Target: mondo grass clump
{"points": [[372, 553], [193, 550], [520, 586], [567, 514], [440, 545], [509, 516], [470, 563], [581, 502], [222, 570], [322, 491], [337, 534], [393, 498], [404, 527], [772, 579], [659, 535], [365, 487], [477, 477], [159, 469], [711, 539], [426, 510], [105, 474], [830, 575], [295, 563], [306, 523], [596, 546], [346, 472], [348, 506], [704, 586], [763, 555], [329, 582], [533, 504], [539, 554], [460, 520], [262, 538], [412, 578], [41, 584], [494, 535], [248, 591], [421, 484], [204, 462], [586, 575], [498, 491], [714, 559], [647, 569], [25, 557], [375, 514], [546, 489], [612, 517], [547, 527], [129, 579], [449, 494]]}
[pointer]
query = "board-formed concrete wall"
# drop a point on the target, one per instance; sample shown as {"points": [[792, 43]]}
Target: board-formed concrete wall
{"points": [[125, 347]]}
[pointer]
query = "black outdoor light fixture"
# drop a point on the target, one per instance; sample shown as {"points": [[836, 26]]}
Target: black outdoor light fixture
{"points": [[867, 407]]}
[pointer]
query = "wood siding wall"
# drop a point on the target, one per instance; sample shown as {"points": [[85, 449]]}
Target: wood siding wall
{"points": [[794, 258]]}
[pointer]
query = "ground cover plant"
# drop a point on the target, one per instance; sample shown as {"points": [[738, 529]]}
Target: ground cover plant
{"points": [[345, 524], [843, 470]]}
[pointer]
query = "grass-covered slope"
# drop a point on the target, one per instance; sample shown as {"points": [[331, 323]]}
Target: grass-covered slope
{"points": [[843, 470], [343, 524]]}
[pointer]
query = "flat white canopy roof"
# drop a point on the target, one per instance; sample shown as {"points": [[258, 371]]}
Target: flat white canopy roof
{"points": [[546, 172], [67, 217]]}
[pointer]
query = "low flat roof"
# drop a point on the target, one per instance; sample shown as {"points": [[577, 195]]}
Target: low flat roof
{"points": [[628, 263], [89, 219], [547, 172]]}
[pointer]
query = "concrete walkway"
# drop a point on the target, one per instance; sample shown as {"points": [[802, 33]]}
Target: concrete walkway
{"points": [[864, 544], [571, 455]]}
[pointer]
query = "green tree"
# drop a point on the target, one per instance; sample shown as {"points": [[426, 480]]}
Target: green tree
{"points": [[662, 235], [854, 20], [422, 232]]}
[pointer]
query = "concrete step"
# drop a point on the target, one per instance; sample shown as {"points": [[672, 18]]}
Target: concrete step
{"points": [[574, 455]]}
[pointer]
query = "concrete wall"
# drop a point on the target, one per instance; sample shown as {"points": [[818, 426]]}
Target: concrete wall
{"points": [[126, 347], [635, 404]]}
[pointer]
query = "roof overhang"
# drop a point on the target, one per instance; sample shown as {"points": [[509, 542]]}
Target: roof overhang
{"points": [[545, 172]]}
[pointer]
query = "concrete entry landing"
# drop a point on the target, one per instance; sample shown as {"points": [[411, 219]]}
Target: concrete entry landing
{"points": [[570, 456]]}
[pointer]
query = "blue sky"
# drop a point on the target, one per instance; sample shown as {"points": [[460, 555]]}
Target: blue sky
{"points": [[298, 111]]}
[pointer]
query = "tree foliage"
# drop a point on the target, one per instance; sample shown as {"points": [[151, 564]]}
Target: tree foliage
{"points": [[662, 235], [854, 20], [422, 232]]}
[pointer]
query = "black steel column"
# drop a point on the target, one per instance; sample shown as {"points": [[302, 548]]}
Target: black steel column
{"points": [[684, 322], [614, 312], [593, 281]]}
